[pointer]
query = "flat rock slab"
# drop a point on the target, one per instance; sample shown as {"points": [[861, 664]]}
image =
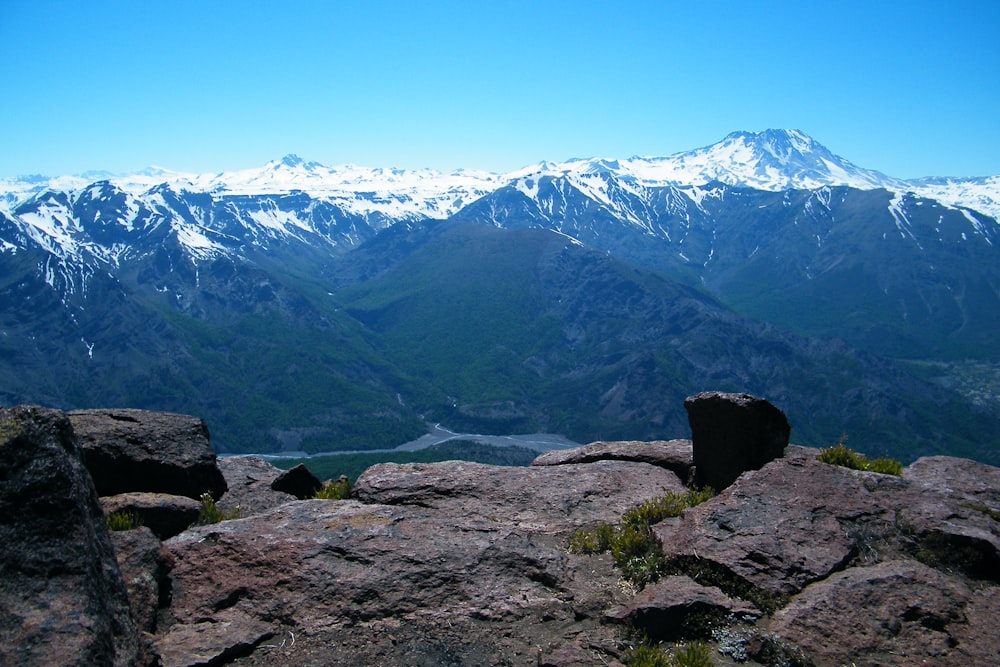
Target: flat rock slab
{"points": [[553, 499], [456, 560], [778, 528], [674, 455], [139, 450]]}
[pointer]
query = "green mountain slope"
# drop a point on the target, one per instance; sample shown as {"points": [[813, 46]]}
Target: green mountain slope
{"points": [[525, 329]]}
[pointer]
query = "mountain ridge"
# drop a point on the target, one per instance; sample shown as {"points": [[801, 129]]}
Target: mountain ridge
{"points": [[158, 298], [770, 159]]}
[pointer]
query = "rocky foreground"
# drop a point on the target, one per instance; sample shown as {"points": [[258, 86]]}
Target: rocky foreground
{"points": [[794, 562]]}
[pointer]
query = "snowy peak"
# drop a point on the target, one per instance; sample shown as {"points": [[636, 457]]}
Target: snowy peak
{"points": [[773, 160]]}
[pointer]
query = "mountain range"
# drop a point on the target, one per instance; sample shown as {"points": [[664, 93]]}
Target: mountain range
{"points": [[299, 306]]}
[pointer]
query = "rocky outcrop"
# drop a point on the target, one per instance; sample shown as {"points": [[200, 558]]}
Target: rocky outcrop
{"points": [[797, 562], [62, 599], [454, 563], [733, 433], [163, 514], [138, 450], [856, 567]]}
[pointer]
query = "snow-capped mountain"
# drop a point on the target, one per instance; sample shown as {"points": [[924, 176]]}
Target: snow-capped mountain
{"points": [[771, 160], [180, 288], [294, 206]]}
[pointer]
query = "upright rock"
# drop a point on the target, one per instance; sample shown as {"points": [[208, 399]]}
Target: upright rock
{"points": [[138, 450], [733, 433], [62, 599], [298, 481]]}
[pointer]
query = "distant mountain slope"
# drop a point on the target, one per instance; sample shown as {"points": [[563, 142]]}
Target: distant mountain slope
{"points": [[895, 274], [304, 306], [527, 329]]}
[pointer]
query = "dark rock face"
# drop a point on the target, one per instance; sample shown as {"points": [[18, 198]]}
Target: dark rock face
{"points": [[733, 433], [163, 514], [62, 599], [137, 450], [678, 607], [297, 481]]}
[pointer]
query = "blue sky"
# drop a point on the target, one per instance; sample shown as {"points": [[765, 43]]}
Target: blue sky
{"points": [[909, 88]]}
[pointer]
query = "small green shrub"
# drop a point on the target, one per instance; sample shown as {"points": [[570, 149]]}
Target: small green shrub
{"points": [[694, 654], [123, 520], [632, 544], [841, 455], [886, 466], [646, 655], [211, 513], [338, 490]]}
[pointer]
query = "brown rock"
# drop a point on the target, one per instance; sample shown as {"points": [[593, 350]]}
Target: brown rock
{"points": [[62, 599], [733, 433], [138, 450], [894, 613], [297, 481], [249, 480], [163, 514], [467, 565], [677, 607], [144, 565], [556, 499], [977, 642], [674, 455], [778, 528], [229, 635]]}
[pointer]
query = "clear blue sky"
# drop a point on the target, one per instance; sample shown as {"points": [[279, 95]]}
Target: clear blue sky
{"points": [[908, 88]]}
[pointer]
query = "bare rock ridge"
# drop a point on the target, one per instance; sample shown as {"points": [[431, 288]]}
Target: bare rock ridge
{"points": [[793, 562]]}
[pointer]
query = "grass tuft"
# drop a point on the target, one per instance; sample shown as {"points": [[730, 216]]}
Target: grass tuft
{"points": [[632, 544], [335, 490], [841, 455], [694, 654], [123, 520], [211, 513]]}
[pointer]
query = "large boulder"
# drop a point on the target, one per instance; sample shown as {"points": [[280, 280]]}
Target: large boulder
{"points": [[856, 567], [62, 599], [733, 433], [138, 450], [448, 563]]}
